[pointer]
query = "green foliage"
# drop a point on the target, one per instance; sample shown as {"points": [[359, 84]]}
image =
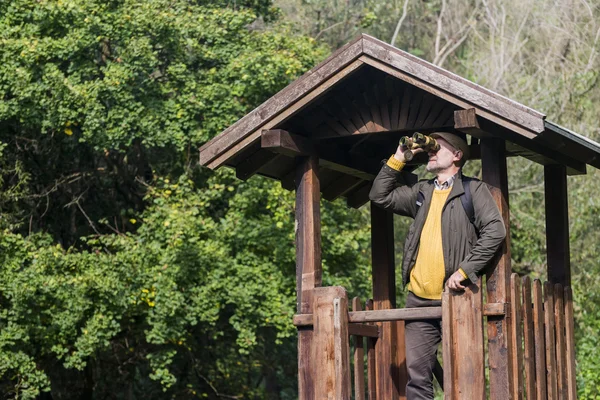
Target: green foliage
{"points": [[192, 284], [125, 271]]}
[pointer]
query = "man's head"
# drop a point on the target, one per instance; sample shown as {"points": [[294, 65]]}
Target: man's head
{"points": [[453, 152]]}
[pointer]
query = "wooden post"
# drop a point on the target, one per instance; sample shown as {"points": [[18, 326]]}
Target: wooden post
{"points": [[557, 224], [467, 355], [493, 163], [359, 359], [331, 348], [308, 263], [371, 362], [391, 369]]}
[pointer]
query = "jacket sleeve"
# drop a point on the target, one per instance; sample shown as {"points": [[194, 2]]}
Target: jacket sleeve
{"points": [[492, 232], [391, 192]]}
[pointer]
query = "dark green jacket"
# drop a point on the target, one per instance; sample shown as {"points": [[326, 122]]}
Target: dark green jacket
{"points": [[461, 245]]}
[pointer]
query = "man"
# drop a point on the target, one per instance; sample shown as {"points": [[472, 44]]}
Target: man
{"points": [[443, 246]]}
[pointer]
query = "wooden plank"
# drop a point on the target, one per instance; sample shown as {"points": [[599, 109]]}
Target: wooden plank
{"points": [[395, 114], [455, 99], [331, 351], [314, 82], [436, 110], [396, 314], [415, 106], [384, 298], [561, 351], [401, 314], [426, 107], [447, 112], [517, 336], [382, 100], [557, 224], [495, 309], [218, 153], [344, 99], [570, 345], [467, 330], [453, 84], [359, 358], [540, 343], [339, 113], [551, 373], [360, 103], [448, 346], [308, 263], [528, 340], [405, 107], [401, 373], [341, 348], [371, 362], [493, 163], [364, 330]]}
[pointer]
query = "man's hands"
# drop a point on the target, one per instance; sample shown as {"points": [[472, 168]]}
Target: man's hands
{"points": [[454, 282], [399, 155]]}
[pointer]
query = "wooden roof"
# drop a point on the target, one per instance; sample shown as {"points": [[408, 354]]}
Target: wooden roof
{"points": [[352, 108]]}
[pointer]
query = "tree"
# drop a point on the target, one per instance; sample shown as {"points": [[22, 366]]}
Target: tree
{"points": [[127, 271]]}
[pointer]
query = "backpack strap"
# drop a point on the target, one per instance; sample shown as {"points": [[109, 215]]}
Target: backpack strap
{"points": [[467, 201]]}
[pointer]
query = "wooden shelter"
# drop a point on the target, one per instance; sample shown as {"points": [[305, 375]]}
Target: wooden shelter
{"points": [[326, 134]]}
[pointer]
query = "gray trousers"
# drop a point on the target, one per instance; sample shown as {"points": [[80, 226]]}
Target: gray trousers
{"points": [[422, 338]]}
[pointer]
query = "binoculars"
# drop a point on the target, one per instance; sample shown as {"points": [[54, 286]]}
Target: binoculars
{"points": [[418, 141]]}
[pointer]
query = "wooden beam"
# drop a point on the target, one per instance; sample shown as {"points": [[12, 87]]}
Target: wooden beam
{"points": [[250, 166], [360, 196], [467, 121], [308, 263], [283, 142], [402, 314], [557, 224], [493, 162], [384, 298], [340, 186], [541, 154], [286, 143]]}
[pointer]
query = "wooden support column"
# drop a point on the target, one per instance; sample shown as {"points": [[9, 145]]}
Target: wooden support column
{"points": [[391, 375], [557, 224], [308, 263], [493, 163]]}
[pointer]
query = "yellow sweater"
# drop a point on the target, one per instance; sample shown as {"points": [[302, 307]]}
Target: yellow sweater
{"points": [[427, 276]]}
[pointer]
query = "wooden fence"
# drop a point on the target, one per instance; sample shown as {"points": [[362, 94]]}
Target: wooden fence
{"points": [[542, 342]]}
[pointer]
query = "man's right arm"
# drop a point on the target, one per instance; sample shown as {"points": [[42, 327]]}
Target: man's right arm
{"points": [[386, 193]]}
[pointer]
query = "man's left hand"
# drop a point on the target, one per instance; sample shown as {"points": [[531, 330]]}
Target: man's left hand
{"points": [[454, 282]]}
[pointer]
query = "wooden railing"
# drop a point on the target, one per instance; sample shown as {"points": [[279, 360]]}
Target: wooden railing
{"points": [[542, 342]]}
